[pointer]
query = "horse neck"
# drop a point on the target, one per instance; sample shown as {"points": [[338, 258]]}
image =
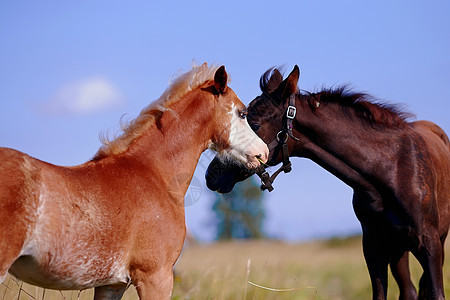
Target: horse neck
{"points": [[174, 143], [343, 145]]}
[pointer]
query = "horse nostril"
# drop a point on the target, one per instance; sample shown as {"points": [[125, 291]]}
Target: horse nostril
{"points": [[260, 159], [264, 156]]}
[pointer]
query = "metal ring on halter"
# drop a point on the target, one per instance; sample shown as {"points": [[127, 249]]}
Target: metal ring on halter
{"points": [[264, 177], [285, 138]]}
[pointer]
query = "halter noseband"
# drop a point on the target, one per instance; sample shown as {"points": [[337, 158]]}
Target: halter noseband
{"points": [[280, 141]]}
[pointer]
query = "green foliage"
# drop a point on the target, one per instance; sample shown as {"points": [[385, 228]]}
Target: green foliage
{"points": [[240, 213]]}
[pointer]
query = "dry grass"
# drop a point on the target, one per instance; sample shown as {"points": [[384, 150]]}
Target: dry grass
{"points": [[307, 271], [332, 269]]}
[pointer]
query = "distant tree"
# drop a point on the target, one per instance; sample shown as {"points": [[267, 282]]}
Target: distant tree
{"points": [[240, 213]]}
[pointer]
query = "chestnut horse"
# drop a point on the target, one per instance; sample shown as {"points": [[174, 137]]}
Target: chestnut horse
{"points": [[399, 172], [119, 218]]}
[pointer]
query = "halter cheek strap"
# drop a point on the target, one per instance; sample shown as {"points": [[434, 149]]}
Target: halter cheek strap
{"points": [[290, 116], [280, 141]]}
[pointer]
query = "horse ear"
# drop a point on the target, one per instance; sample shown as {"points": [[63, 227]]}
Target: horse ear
{"points": [[292, 82], [220, 80], [275, 79], [289, 85]]}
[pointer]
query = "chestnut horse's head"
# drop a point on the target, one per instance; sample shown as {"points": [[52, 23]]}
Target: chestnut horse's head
{"points": [[266, 114], [233, 138], [218, 117]]}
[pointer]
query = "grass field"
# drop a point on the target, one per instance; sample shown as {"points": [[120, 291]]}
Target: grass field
{"points": [[332, 269]]}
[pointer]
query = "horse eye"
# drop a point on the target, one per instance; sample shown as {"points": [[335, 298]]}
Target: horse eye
{"points": [[254, 126], [243, 114]]}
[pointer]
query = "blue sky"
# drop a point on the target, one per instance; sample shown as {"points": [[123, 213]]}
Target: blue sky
{"points": [[70, 70]]}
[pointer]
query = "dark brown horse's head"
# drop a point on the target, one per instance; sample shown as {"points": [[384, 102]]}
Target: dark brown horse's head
{"points": [[266, 116]]}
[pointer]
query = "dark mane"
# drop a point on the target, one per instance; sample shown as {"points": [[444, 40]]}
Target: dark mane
{"points": [[369, 109], [366, 107]]}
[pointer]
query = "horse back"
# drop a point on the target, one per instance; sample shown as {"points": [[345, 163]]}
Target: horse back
{"points": [[436, 139], [435, 129]]}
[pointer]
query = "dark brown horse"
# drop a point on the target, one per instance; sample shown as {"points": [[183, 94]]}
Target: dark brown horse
{"points": [[399, 171], [119, 218]]}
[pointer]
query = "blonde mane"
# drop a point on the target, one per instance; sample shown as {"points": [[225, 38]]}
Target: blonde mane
{"points": [[174, 92]]}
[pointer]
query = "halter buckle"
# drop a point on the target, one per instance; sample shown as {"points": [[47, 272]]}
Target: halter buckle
{"points": [[290, 112], [286, 136]]}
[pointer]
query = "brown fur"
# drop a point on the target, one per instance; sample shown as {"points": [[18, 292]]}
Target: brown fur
{"points": [[399, 171], [120, 217]]}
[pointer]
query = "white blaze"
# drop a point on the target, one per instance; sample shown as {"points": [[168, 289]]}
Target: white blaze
{"points": [[245, 145]]}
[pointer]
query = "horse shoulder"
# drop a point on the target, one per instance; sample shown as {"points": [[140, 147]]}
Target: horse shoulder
{"points": [[439, 147]]}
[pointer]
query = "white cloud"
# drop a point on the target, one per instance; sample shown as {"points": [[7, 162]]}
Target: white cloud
{"points": [[87, 96]]}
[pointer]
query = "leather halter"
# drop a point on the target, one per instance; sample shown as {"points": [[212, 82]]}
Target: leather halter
{"points": [[280, 142]]}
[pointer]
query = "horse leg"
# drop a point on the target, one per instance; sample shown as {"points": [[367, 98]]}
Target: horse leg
{"points": [[9, 252], [156, 285], [377, 260], [109, 292], [443, 237], [13, 232], [400, 270], [430, 256]]}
